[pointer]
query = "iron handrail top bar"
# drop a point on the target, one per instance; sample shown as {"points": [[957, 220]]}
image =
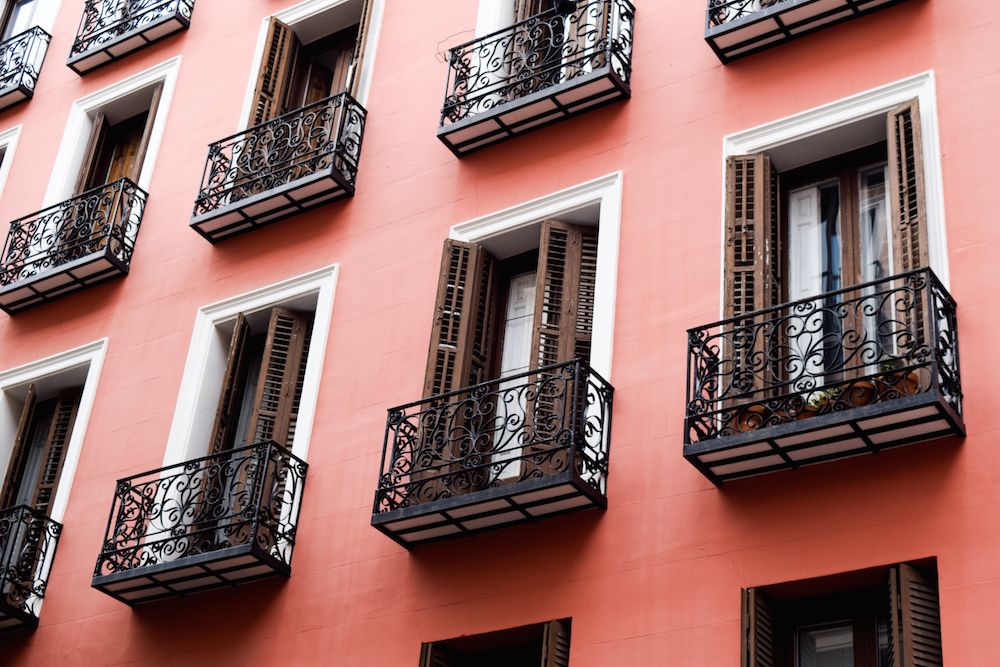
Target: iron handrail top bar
{"points": [[228, 452], [82, 195], [33, 30], [288, 114], [31, 510], [826, 295], [471, 388]]}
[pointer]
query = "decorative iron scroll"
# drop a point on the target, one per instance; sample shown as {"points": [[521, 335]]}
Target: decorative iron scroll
{"points": [[104, 219], [244, 497], [292, 146], [721, 12], [875, 342], [21, 59], [107, 21], [545, 50], [522, 427], [28, 541]]}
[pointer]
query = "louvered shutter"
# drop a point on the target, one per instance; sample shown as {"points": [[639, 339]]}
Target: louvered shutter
{"points": [[525, 9], [555, 644], [360, 44], [147, 131], [435, 655], [757, 626], [908, 210], [914, 618], [54, 453], [19, 453], [228, 411], [274, 78], [274, 404]]}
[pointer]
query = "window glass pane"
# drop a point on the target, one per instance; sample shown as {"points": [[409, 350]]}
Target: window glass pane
{"points": [[875, 246], [20, 18], [515, 357], [826, 647]]}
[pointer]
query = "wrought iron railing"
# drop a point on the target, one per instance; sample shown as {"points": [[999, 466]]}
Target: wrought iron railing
{"points": [[246, 497], [297, 144], [106, 21], [104, 219], [721, 12], [526, 426], [548, 49], [28, 541], [875, 342], [21, 59]]}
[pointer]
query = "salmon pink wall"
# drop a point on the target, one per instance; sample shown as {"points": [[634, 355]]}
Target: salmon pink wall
{"points": [[654, 580]]}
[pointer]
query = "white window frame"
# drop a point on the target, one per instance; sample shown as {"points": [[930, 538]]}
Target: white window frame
{"points": [[845, 111], [8, 144], [605, 191], [70, 156], [45, 14], [494, 15], [206, 362], [300, 13]]}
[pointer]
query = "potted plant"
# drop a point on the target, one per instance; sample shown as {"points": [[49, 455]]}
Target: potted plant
{"points": [[906, 384]]}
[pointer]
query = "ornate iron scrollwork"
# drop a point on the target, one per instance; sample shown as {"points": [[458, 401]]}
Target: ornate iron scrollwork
{"points": [[21, 59], [28, 541], [106, 21], [721, 12]]}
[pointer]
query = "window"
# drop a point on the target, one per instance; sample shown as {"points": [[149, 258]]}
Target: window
{"points": [[17, 17], [882, 617], [541, 645]]}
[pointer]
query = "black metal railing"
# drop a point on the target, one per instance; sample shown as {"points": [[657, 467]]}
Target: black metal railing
{"points": [[106, 21], [21, 59], [548, 49], [721, 12], [526, 426], [246, 497], [862, 345], [297, 144], [28, 542], [104, 219]]}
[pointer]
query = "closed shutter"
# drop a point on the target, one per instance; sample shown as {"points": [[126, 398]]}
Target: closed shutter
{"points": [[757, 625], [227, 413], [54, 454], [914, 618], [555, 644], [275, 77], [435, 655], [19, 453], [273, 408], [907, 206]]}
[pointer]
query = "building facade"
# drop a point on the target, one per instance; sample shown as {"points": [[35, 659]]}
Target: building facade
{"points": [[308, 360]]}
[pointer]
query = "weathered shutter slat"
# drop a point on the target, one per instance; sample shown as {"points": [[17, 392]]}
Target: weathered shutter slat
{"points": [[54, 454], [274, 79], [227, 413], [907, 205], [753, 239], [758, 630], [273, 406], [147, 131], [19, 454], [914, 618], [435, 655], [360, 44], [88, 165], [555, 643]]}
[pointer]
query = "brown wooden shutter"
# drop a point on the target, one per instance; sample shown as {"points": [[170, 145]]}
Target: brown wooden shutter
{"points": [[555, 643], [275, 75], [907, 206], [97, 132], [54, 453], [19, 453], [360, 44], [228, 411], [914, 618], [525, 9], [274, 404], [435, 655], [757, 625], [461, 348], [140, 153]]}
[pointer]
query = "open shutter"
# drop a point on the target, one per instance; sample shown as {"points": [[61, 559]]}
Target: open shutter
{"points": [[908, 210], [135, 169], [19, 454], [757, 625], [54, 453], [275, 77], [555, 644], [914, 618], [274, 404], [360, 44], [227, 413], [434, 655], [525, 9], [97, 131]]}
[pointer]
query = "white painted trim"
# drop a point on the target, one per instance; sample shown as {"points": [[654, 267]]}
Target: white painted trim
{"points": [[874, 102], [493, 15], [606, 191], [91, 355], [199, 393], [303, 12], [74, 140], [8, 143]]}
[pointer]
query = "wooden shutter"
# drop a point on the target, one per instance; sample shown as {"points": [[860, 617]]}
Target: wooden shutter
{"points": [[227, 413], [97, 132], [435, 655], [757, 625], [19, 453], [555, 643], [54, 453], [914, 618], [907, 206], [275, 75], [274, 404], [360, 44], [140, 153]]}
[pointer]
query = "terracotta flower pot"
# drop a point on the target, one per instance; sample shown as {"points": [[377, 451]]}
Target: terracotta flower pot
{"points": [[749, 418], [859, 393]]}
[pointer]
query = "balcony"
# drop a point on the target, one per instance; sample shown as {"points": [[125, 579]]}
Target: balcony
{"points": [[28, 542], [547, 68], [842, 374], [71, 246], [499, 453], [111, 29], [221, 520], [293, 163], [736, 28], [21, 60]]}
